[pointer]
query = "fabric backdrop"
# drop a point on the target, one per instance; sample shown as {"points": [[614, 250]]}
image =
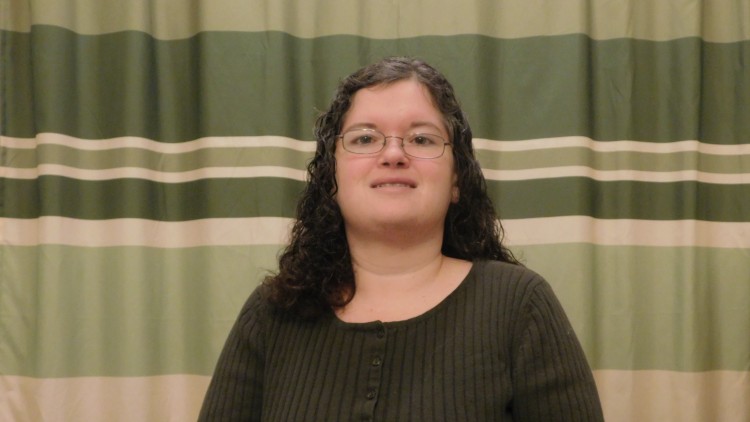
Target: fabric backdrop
{"points": [[153, 152]]}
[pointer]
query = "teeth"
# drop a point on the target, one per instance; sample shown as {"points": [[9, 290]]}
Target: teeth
{"points": [[403, 185]]}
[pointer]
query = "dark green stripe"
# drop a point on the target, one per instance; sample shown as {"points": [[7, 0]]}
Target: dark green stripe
{"points": [[255, 197], [241, 83], [137, 198], [622, 199], [16, 87]]}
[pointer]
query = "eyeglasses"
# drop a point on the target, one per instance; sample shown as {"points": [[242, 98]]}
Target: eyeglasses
{"points": [[370, 141]]}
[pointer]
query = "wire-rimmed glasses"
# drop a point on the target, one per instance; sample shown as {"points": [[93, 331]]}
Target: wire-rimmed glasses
{"points": [[371, 141]]}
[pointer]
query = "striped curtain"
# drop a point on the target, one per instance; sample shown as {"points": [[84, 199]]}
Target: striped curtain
{"points": [[153, 152]]}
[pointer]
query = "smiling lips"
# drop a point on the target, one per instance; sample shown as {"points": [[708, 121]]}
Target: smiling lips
{"points": [[397, 183]]}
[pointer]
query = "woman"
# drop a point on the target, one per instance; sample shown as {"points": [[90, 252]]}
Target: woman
{"points": [[396, 300]]}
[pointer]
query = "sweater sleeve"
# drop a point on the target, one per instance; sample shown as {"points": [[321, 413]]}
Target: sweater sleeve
{"points": [[551, 378], [236, 389]]}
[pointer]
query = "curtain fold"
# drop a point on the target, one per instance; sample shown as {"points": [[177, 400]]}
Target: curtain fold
{"points": [[151, 156]]}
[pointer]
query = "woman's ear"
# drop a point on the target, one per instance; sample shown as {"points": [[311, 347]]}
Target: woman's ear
{"points": [[455, 193]]}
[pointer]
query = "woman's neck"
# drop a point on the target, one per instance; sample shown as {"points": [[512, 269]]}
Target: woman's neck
{"points": [[396, 281], [388, 255]]}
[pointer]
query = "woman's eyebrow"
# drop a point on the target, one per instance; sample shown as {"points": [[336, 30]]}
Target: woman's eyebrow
{"points": [[414, 126], [363, 125], [421, 124]]}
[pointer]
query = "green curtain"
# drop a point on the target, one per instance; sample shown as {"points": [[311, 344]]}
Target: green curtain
{"points": [[152, 155]]}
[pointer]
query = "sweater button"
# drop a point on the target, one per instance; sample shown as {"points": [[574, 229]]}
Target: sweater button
{"points": [[377, 361], [370, 395]]}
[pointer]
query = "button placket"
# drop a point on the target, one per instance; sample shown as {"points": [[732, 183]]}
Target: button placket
{"points": [[377, 346]]}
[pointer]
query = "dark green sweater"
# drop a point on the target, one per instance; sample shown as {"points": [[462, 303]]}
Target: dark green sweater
{"points": [[499, 348]]}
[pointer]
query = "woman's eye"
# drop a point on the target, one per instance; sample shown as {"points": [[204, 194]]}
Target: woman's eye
{"points": [[364, 140], [422, 140]]}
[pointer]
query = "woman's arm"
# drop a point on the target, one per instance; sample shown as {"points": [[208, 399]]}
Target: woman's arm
{"points": [[551, 378], [236, 389]]}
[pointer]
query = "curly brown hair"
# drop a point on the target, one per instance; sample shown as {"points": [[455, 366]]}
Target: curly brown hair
{"points": [[315, 270]]}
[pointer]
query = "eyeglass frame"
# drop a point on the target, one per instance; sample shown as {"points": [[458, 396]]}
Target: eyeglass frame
{"points": [[385, 142]]}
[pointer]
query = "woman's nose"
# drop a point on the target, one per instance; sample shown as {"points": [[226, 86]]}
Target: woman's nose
{"points": [[393, 152]]}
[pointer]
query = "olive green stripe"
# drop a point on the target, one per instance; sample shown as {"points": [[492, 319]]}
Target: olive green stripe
{"points": [[276, 197], [619, 160], [158, 161], [134, 311], [717, 20], [652, 308], [271, 83], [283, 157], [122, 311]]}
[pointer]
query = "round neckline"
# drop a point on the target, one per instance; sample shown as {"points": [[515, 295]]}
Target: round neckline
{"points": [[369, 325]]}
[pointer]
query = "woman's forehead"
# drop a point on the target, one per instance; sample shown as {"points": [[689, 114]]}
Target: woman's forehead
{"points": [[407, 102]]}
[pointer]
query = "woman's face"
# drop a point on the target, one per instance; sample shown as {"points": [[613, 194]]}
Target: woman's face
{"points": [[389, 189]]}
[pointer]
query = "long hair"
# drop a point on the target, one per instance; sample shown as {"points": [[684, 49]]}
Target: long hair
{"points": [[315, 270]]}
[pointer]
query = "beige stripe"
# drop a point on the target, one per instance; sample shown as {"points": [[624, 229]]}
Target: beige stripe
{"points": [[157, 398], [155, 146], [301, 175], [611, 146], [674, 396], [615, 175], [153, 175], [141, 232], [579, 229], [715, 20], [626, 396], [309, 146], [274, 231]]}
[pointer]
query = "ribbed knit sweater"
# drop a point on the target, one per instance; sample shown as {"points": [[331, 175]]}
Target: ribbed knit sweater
{"points": [[498, 348]]}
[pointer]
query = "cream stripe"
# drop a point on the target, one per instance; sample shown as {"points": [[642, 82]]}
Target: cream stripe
{"points": [[309, 146], [717, 20], [147, 144], [579, 229], [301, 175], [615, 175], [156, 398], [626, 396], [140, 232], [611, 146], [153, 175], [274, 231], [674, 396]]}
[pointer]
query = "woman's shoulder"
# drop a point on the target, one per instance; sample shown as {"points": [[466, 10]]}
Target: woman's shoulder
{"points": [[257, 306], [508, 281], [261, 309], [505, 272]]}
